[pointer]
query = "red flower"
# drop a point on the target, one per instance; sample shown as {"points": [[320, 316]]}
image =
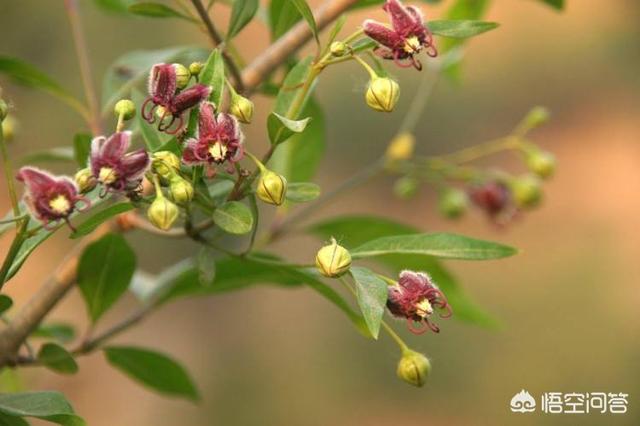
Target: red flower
{"points": [[162, 93], [414, 297], [494, 198], [407, 37], [115, 168], [50, 198], [219, 139]]}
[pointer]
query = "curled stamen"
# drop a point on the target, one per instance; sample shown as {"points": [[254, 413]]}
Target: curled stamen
{"points": [[51, 225], [82, 204], [180, 122], [417, 330], [149, 116]]}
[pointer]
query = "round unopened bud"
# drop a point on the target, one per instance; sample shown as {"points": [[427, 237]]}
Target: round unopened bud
{"points": [[406, 187], [183, 75], [241, 108], [4, 109], [125, 108], [453, 203], [195, 68], [181, 190], [162, 213], [401, 147], [338, 48], [85, 180], [542, 163], [271, 188], [9, 128], [526, 190], [333, 260], [414, 368], [382, 94], [165, 163], [537, 117]]}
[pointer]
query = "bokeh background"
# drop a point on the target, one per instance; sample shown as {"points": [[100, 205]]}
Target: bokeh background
{"points": [[568, 305]]}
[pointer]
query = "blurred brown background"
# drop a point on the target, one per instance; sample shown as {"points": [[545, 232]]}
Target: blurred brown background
{"points": [[568, 304]]}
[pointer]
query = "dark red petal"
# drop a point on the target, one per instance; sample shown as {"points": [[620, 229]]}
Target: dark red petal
{"points": [[380, 33], [207, 122], [37, 181], [162, 83], [115, 147], [228, 128], [194, 152], [189, 98], [134, 164], [402, 20]]}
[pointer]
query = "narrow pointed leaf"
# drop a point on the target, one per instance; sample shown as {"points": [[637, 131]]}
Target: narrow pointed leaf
{"points": [[156, 10], [302, 192], [97, 219], [281, 128], [242, 12], [461, 29], [371, 292], [212, 74]]}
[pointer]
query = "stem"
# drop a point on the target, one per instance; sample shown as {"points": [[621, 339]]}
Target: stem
{"points": [[71, 7], [217, 39], [9, 176], [476, 152], [419, 101], [403, 346]]}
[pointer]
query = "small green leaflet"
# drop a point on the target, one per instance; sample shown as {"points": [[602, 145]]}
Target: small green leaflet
{"points": [[98, 218], [461, 29], [5, 303], [234, 218], [56, 358], [212, 74], [302, 192], [242, 12], [156, 10], [371, 292], [281, 128]]}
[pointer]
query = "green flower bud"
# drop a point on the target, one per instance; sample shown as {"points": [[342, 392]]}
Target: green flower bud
{"points": [[181, 190], [338, 48], [537, 117], [542, 163], [4, 109], [271, 188], [195, 68], [183, 75], [414, 368], [526, 190], [333, 260], [453, 203], [165, 163], [125, 108], [85, 180], [406, 187], [162, 213], [9, 128], [242, 108], [382, 94]]}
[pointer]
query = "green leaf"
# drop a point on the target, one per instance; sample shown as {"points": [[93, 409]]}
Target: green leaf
{"points": [[28, 75], [5, 303], [337, 27], [62, 333], [461, 29], [212, 74], [234, 218], [556, 4], [81, 148], [97, 219], [281, 128], [371, 292], [104, 273], [114, 6], [307, 14], [153, 138], [206, 267], [153, 369], [441, 245], [467, 9], [56, 358], [242, 12], [53, 155], [156, 10], [302, 192], [291, 85], [283, 15], [6, 420], [48, 405], [353, 231]]}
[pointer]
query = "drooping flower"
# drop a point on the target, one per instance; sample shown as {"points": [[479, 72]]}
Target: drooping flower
{"points": [[407, 36], [168, 104], [114, 168], [415, 297], [494, 198], [219, 139], [50, 198]]}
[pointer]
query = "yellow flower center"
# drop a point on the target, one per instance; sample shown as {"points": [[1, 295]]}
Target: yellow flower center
{"points": [[412, 45], [218, 151], [60, 204], [424, 308], [107, 175]]}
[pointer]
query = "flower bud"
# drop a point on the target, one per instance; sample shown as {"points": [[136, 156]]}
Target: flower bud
{"points": [[382, 94], [195, 68], [333, 260], [9, 128], [4, 110], [271, 188], [183, 75], [526, 191], [413, 368], [125, 108], [85, 180], [338, 48], [165, 163], [181, 190], [401, 147], [242, 108], [542, 163], [162, 213], [453, 203], [537, 117], [405, 187]]}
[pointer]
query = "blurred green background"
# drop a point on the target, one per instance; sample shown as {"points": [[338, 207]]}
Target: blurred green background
{"points": [[568, 304]]}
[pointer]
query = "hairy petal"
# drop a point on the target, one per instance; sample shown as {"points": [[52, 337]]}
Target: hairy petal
{"points": [[207, 121], [381, 33], [162, 83], [189, 98], [134, 164]]}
